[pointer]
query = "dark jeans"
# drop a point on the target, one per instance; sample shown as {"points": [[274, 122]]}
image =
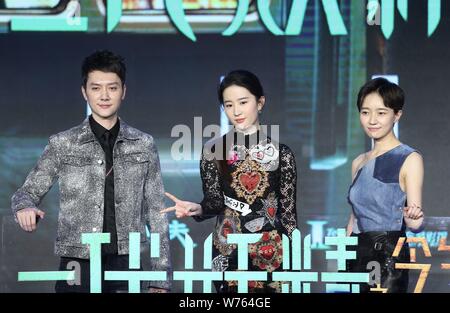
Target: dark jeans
{"points": [[109, 263]]}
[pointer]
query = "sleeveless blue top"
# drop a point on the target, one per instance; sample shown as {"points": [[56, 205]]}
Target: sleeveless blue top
{"points": [[375, 194]]}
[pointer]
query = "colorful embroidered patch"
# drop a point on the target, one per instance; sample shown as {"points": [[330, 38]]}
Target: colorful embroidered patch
{"points": [[219, 263], [238, 206], [269, 209], [255, 225], [249, 180], [276, 285], [267, 254], [255, 285], [228, 224], [232, 157], [252, 284], [264, 153]]}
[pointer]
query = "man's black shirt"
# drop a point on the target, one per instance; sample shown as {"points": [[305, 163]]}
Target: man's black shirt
{"points": [[107, 139]]}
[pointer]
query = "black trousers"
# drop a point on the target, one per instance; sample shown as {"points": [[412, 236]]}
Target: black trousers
{"points": [[379, 247], [109, 263]]}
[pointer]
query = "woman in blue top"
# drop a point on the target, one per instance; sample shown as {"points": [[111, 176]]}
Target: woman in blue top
{"points": [[386, 192]]}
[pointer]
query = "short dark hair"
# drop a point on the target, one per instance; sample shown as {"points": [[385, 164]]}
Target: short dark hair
{"points": [[105, 61], [393, 96], [241, 78]]}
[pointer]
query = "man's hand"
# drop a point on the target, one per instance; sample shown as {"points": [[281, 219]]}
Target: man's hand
{"points": [[27, 218]]}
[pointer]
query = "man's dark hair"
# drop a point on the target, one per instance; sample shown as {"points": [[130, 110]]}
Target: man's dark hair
{"points": [[393, 96], [104, 61]]}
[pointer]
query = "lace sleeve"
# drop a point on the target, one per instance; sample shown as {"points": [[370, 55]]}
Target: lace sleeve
{"points": [[213, 201], [288, 189]]}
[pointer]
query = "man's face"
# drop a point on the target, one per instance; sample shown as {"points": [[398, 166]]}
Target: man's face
{"points": [[104, 93]]}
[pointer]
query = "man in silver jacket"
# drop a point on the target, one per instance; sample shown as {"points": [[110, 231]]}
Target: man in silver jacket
{"points": [[109, 179]]}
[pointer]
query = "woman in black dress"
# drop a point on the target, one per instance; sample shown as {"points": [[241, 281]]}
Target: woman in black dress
{"points": [[249, 185]]}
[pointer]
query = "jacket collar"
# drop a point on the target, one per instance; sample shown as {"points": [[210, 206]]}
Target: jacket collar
{"points": [[86, 135]]}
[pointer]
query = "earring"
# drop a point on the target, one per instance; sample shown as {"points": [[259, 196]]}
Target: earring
{"points": [[259, 111]]}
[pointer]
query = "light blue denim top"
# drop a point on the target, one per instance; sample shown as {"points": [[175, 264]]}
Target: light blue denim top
{"points": [[375, 194]]}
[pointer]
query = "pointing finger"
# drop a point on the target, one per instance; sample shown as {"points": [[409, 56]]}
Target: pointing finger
{"points": [[172, 197], [173, 208]]}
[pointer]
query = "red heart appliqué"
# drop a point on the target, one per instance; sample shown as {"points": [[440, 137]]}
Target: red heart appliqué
{"points": [[258, 155], [271, 211], [227, 229], [267, 252], [250, 180]]}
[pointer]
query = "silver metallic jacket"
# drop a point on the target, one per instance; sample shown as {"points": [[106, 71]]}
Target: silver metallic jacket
{"points": [[76, 158]]}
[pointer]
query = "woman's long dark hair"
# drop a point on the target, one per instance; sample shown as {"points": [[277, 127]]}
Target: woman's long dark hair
{"points": [[241, 78]]}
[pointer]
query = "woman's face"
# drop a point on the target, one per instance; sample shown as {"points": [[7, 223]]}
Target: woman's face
{"points": [[242, 108], [376, 119]]}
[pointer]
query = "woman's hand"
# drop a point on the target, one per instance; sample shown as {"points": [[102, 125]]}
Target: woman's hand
{"points": [[413, 216], [183, 208], [412, 212]]}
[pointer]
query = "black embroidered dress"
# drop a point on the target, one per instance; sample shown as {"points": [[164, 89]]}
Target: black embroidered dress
{"points": [[252, 190]]}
